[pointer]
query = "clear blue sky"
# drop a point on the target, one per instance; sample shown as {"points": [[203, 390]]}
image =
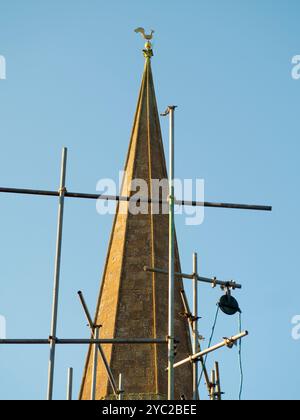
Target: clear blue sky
{"points": [[73, 73]]}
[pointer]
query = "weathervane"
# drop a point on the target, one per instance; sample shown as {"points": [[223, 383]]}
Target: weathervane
{"points": [[148, 52]]}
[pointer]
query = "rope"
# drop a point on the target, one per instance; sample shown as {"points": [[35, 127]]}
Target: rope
{"points": [[210, 341], [240, 359]]}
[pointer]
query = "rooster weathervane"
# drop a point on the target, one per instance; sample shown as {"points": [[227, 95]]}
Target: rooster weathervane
{"points": [[148, 53]]}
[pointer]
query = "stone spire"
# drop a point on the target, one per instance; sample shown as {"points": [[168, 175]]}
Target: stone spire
{"points": [[133, 303]]}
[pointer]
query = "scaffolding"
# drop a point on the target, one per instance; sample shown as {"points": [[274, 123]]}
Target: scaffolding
{"points": [[213, 384]]}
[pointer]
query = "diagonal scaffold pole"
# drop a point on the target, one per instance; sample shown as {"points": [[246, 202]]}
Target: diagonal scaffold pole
{"points": [[102, 354], [227, 342]]}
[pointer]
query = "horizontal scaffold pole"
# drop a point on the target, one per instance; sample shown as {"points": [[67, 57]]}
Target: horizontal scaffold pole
{"points": [[134, 199], [213, 281], [86, 341]]}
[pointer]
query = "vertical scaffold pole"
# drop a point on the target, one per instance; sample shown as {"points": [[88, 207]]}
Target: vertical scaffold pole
{"points": [[195, 325], [70, 384], [95, 365], [62, 191], [121, 390], [171, 315], [218, 382], [213, 386]]}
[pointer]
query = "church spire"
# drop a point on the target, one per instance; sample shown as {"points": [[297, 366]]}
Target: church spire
{"points": [[133, 303]]}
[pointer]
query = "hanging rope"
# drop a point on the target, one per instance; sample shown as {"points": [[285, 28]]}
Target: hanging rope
{"points": [[210, 341], [240, 359]]}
